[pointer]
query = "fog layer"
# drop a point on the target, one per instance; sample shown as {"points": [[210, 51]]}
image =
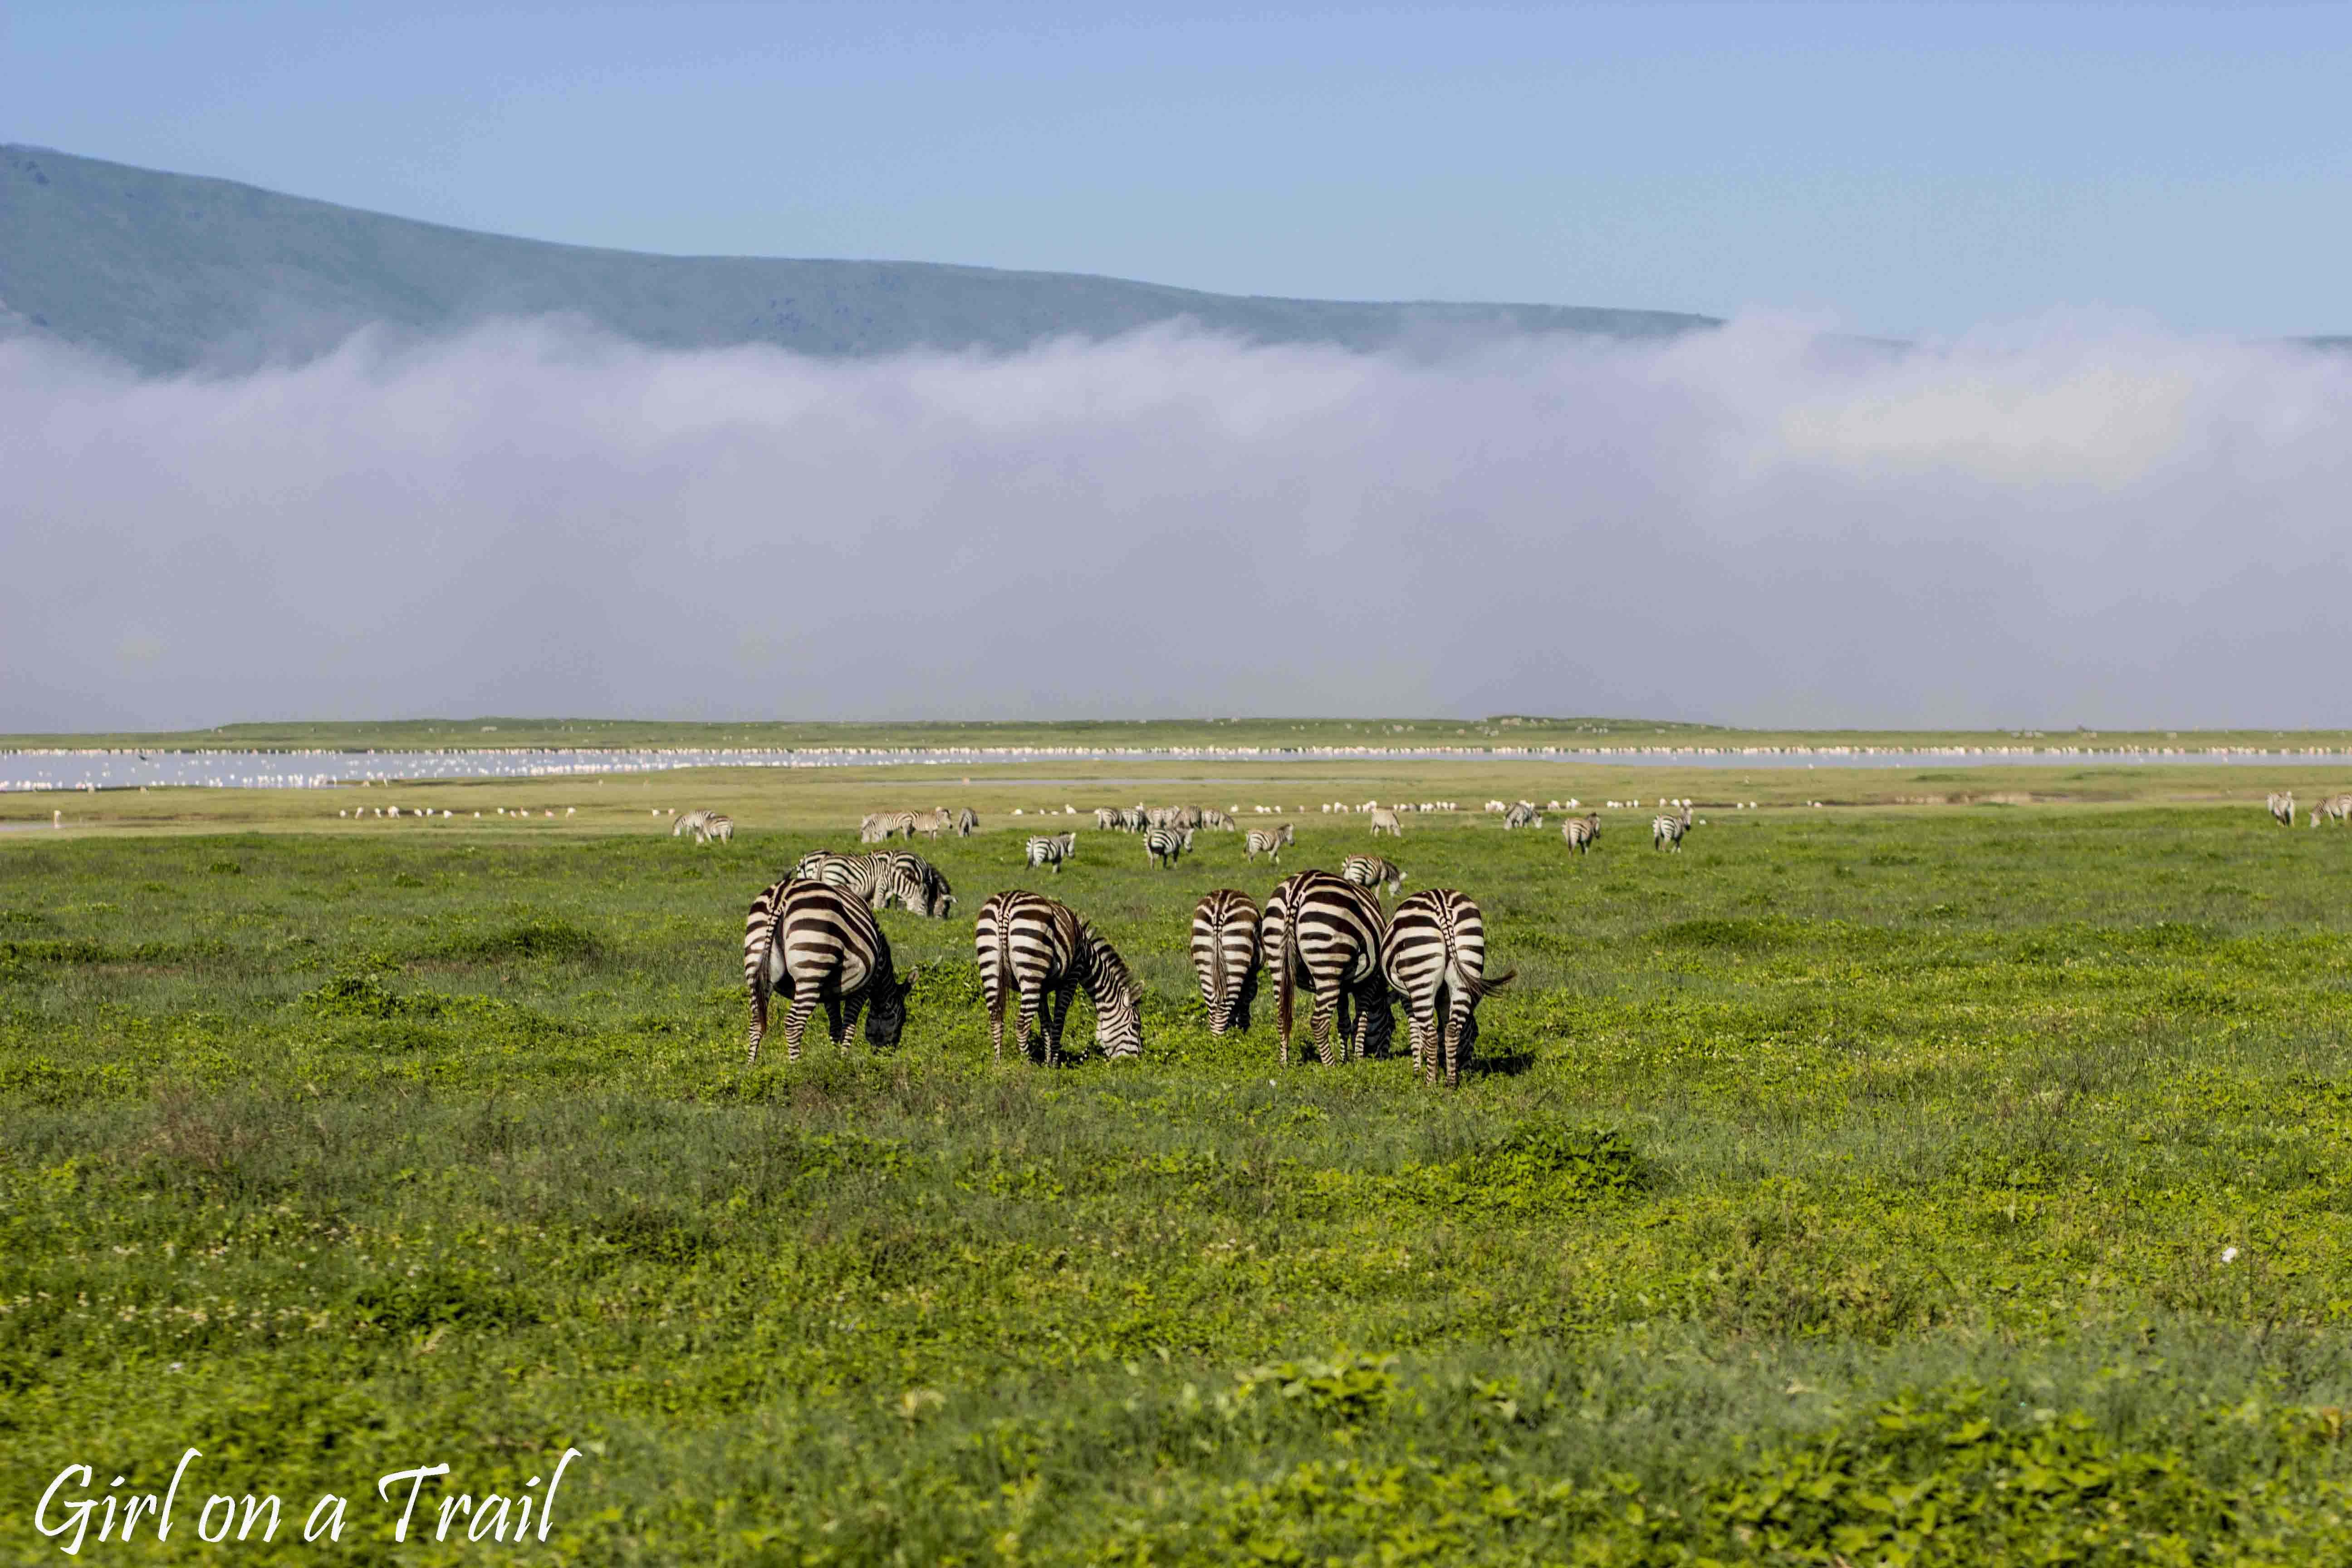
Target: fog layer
{"points": [[1750, 526]]}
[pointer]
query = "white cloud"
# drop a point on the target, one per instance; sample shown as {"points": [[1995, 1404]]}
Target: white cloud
{"points": [[1754, 525]]}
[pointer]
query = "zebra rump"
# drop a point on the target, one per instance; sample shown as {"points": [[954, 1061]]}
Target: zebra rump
{"points": [[1434, 956], [815, 945], [1036, 950], [1226, 957], [1325, 933]]}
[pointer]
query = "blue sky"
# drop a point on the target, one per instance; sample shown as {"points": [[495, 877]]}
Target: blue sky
{"points": [[1902, 170]]}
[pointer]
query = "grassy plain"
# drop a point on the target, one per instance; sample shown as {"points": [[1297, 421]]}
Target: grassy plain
{"points": [[1956, 1174]]}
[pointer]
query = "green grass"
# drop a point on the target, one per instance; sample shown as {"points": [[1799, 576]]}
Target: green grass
{"points": [[1855, 1185]]}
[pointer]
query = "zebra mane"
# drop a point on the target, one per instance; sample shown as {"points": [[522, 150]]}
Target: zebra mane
{"points": [[1107, 972]]}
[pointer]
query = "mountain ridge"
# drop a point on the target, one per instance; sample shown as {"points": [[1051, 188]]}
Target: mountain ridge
{"points": [[174, 273]]}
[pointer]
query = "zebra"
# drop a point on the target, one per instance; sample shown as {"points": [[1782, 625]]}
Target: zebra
{"points": [[1164, 845], [1581, 832], [1187, 818], [930, 824], [2337, 806], [1033, 947], [1336, 955], [1523, 814], [718, 828], [1051, 850], [1666, 832], [1434, 956], [967, 823], [1107, 819], [1226, 957], [2283, 809], [874, 827], [1385, 821], [1267, 839], [812, 942], [882, 879], [690, 823], [1370, 871], [1131, 820], [1217, 820]]}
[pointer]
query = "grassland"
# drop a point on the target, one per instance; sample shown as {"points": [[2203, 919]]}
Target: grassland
{"points": [[1955, 1174]]}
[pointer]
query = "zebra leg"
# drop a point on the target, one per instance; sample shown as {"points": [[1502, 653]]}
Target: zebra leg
{"points": [[1057, 1015], [854, 1007], [1029, 1006], [795, 1025], [1455, 1016], [759, 1015], [996, 1021], [1318, 1027]]}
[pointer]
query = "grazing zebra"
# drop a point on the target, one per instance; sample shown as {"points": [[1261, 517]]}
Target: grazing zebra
{"points": [[882, 879], [811, 942], [874, 827], [1217, 819], [1051, 850], [1224, 956], [718, 828], [2337, 806], [1187, 817], [1268, 839], [1666, 832], [1039, 950], [1107, 819], [1165, 843], [966, 822], [1581, 832], [1434, 957], [1336, 955], [2283, 809], [1370, 871], [931, 824], [690, 823], [1523, 814], [1131, 820], [1385, 821]]}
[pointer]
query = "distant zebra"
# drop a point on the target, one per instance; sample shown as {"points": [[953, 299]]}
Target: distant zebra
{"points": [[1053, 849], [874, 827], [1107, 819], [1226, 957], [1034, 948], [1131, 820], [2283, 809], [1270, 840], [1581, 832], [717, 828], [690, 823], [882, 879], [1217, 819], [813, 944], [1187, 817], [1434, 955], [931, 824], [1164, 845], [2337, 806], [1523, 814], [1666, 832], [967, 823], [1385, 821], [1370, 871], [1324, 934]]}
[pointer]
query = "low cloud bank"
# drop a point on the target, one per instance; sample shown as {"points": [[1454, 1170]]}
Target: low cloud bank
{"points": [[1754, 526]]}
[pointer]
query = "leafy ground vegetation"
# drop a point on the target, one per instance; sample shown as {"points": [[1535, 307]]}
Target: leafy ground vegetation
{"points": [[1948, 1184]]}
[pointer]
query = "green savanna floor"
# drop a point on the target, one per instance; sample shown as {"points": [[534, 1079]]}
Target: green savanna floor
{"points": [[1900, 1183]]}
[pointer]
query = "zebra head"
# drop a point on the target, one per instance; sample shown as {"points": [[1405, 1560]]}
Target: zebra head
{"points": [[1118, 998], [886, 1015]]}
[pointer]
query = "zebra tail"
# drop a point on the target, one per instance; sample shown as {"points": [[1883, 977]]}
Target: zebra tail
{"points": [[1489, 984], [1287, 988], [1217, 973], [1003, 974]]}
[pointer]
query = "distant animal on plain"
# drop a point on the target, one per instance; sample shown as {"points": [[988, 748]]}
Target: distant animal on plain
{"points": [[1052, 849], [716, 829], [2283, 809], [1666, 832], [1581, 832], [1385, 821], [1164, 844], [1523, 814], [690, 823], [931, 824], [1270, 840], [967, 823], [1371, 871]]}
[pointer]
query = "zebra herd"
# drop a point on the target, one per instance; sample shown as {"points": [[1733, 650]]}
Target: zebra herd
{"points": [[708, 827], [881, 827], [2336, 807], [812, 940]]}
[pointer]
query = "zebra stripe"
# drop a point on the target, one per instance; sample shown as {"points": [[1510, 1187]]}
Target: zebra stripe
{"points": [[1666, 832], [1523, 814], [1032, 947], [882, 879], [718, 828], [813, 944], [1226, 957], [1370, 871], [690, 823], [2337, 806], [1434, 955], [1581, 832], [1164, 845], [1268, 839], [1324, 934], [1051, 850], [1217, 819]]}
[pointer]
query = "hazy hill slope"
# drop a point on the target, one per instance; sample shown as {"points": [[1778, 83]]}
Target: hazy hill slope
{"points": [[173, 272]]}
